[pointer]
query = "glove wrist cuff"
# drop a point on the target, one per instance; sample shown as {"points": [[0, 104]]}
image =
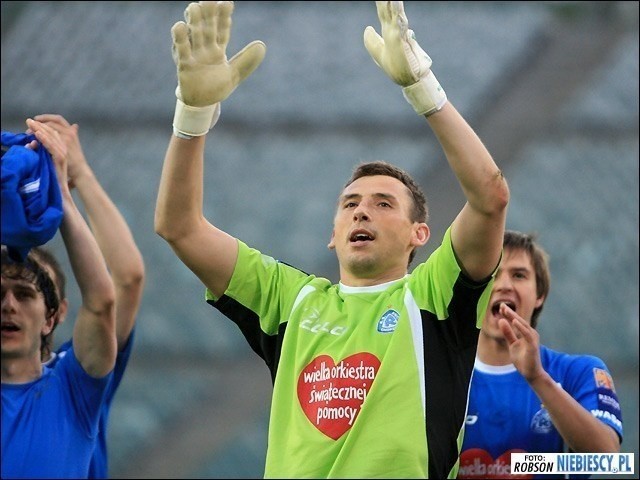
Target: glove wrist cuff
{"points": [[426, 96], [191, 121]]}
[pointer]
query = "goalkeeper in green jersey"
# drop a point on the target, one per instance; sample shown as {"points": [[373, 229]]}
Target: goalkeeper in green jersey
{"points": [[370, 374]]}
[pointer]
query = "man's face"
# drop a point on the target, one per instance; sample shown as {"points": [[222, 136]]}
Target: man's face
{"points": [[515, 285], [24, 319], [373, 232]]}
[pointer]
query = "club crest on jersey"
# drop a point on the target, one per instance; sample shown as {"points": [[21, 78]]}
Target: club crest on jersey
{"points": [[541, 422], [388, 321]]}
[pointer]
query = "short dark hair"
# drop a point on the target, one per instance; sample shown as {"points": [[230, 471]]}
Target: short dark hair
{"points": [[419, 209], [31, 271], [47, 259], [44, 256], [527, 242]]}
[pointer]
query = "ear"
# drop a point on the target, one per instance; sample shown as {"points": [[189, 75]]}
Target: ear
{"points": [[421, 235], [332, 242], [63, 309], [539, 301], [49, 323]]}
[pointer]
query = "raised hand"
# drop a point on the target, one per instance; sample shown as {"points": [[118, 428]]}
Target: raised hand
{"points": [[523, 341], [77, 162], [205, 76], [55, 145], [397, 53]]}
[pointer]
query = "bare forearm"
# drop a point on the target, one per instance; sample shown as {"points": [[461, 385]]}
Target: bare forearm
{"points": [[87, 263], [119, 249], [111, 232], [477, 232], [179, 203], [579, 429], [94, 330], [479, 176]]}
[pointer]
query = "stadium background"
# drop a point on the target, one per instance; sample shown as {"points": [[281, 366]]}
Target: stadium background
{"points": [[551, 87]]}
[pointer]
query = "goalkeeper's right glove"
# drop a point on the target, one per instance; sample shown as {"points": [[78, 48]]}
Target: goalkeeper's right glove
{"points": [[205, 76], [397, 52]]}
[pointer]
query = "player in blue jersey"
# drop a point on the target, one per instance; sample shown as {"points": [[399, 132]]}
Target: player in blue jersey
{"points": [[371, 374], [50, 416], [524, 396], [123, 259]]}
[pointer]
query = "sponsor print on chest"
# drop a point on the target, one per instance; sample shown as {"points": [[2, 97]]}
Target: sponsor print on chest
{"points": [[331, 394]]}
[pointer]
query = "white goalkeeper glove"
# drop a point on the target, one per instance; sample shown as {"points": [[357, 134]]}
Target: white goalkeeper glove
{"points": [[397, 53], [205, 76]]}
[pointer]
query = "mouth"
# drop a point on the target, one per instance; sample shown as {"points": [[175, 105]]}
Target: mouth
{"points": [[495, 307], [9, 327], [361, 237]]}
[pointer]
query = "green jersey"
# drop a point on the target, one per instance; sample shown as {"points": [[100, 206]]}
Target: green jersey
{"points": [[367, 381]]}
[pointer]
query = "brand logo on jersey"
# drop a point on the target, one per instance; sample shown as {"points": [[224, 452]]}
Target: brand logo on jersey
{"points": [[388, 322], [541, 422], [603, 379], [331, 394], [314, 325], [322, 327], [471, 419]]}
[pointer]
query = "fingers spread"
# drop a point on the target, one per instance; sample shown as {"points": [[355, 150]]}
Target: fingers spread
{"points": [[196, 24], [247, 60], [181, 46], [225, 9], [210, 14]]}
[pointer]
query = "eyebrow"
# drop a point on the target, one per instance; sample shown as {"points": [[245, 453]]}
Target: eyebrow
{"points": [[513, 270], [24, 288], [520, 270], [351, 196]]}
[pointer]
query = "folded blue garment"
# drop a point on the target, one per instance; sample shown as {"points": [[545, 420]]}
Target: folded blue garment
{"points": [[31, 198]]}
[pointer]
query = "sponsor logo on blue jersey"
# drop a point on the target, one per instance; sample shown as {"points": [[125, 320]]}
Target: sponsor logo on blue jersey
{"points": [[388, 321], [608, 401], [608, 416], [603, 379]]}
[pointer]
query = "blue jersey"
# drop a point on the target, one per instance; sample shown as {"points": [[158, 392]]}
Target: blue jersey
{"points": [[505, 415], [99, 467], [50, 425]]}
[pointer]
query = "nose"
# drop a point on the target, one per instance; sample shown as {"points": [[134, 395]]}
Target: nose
{"points": [[9, 302], [502, 282], [360, 213]]}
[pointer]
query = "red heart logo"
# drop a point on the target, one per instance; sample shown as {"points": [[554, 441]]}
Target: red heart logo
{"points": [[331, 394], [478, 463]]}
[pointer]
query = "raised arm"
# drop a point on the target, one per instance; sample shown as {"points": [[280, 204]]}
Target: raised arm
{"points": [[477, 232], [205, 79], [109, 227], [94, 330]]}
